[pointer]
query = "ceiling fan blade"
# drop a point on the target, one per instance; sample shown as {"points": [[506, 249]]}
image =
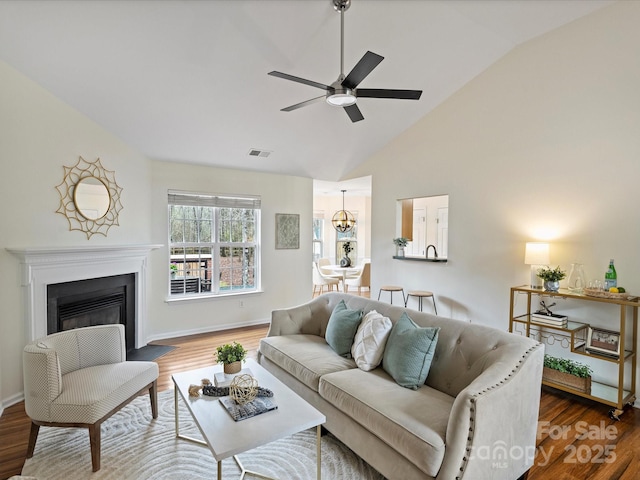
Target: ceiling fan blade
{"points": [[303, 104], [387, 93], [300, 80], [354, 113], [364, 67]]}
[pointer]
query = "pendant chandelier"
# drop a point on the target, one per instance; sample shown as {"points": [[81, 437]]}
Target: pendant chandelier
{"points": [[343, 221]]}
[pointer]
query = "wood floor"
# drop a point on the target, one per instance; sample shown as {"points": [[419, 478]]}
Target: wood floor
{"points": [[576, 440]]}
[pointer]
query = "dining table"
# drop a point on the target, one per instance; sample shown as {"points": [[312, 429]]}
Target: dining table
{"points": [[344, 271]]}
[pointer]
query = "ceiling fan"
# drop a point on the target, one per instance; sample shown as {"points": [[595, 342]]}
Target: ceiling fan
{"points": [[344, 92]]}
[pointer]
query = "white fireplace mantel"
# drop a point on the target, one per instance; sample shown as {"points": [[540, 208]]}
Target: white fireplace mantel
{"points": [[41, 267]]}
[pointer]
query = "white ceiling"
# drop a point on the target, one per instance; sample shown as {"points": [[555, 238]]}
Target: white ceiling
{"points": [[187, 81]]}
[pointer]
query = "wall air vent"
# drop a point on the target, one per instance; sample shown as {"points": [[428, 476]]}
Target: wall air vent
{"points": [[254, 152]]}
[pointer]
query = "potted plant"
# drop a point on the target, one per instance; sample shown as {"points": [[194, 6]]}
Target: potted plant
{"points": [[568, 373], [401, 243], [551, 277], [173, 268], [231, 355]]}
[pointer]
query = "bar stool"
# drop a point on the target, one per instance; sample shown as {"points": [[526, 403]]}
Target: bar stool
{"points": [[391, 289], [420, 294]]}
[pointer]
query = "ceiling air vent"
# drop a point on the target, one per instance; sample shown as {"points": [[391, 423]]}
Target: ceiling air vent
{"points": [[254, 152]]}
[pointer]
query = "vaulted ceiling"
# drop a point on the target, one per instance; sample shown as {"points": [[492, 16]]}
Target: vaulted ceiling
{"points": [[187, 81]]}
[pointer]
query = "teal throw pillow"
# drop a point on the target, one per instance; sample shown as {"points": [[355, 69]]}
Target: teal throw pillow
{"points": [[409, 351], [341, 329]]}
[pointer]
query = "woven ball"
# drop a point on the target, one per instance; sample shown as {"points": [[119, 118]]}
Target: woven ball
{"points": [[243, 388]]}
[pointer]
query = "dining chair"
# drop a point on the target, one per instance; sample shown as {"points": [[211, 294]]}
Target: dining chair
{"points": [[320, 280], [361, 279]]}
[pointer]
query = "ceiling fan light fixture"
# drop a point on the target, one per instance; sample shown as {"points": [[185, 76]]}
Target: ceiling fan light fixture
{"points": [[342, 98]]}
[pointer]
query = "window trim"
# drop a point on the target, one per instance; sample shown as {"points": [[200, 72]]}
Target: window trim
{"points": [[186, 198]]}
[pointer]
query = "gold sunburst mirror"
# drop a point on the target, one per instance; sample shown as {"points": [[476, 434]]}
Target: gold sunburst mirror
{"points": [[89, 197]]}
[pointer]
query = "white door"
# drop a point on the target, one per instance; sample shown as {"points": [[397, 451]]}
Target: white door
{"points": [[443, 232], [417, 246]]}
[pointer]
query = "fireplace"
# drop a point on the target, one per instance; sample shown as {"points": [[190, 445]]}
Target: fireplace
{"points": [[95, 301], [42, 267]]}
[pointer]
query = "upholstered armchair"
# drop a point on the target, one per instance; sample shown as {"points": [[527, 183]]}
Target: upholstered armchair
{"points": [[79, 378]]}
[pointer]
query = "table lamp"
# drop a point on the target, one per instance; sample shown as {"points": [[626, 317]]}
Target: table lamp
{"points": [[536, 254]]}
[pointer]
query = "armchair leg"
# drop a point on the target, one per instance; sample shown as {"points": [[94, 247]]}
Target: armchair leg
{"points": [[153, 396], [33, 436], [94, 440]]}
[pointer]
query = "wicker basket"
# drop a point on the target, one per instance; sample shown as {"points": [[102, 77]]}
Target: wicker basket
{"points": [[595, 292], [567, 380]]}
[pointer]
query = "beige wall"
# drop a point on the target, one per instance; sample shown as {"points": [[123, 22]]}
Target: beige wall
{"points": [[542, 145], [39, 134], [281, 287]]}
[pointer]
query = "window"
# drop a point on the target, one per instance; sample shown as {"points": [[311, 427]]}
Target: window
{"points": [[318, 235], [213, 243]]}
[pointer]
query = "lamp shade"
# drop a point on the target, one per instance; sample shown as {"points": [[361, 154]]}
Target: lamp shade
{"points": [[536, 253]]}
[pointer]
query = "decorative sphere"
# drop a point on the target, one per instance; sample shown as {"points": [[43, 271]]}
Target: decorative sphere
{"points": [[243, 388]]}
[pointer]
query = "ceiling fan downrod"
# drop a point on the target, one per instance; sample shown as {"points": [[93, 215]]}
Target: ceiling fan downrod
{"points": [[341, 6], [341, 96]]}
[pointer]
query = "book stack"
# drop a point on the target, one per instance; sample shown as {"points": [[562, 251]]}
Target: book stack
{"points": [[222, 379], [257, 406], [554, 319]]}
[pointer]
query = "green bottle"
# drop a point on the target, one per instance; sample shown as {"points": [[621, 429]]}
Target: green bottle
{"points": [[610, 277]]}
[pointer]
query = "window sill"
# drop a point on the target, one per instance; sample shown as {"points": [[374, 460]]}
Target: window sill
{"points": [[194, 298]]}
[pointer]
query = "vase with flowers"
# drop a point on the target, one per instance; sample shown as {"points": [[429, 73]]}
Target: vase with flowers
{"points": [[347, 248], [401, 243]]}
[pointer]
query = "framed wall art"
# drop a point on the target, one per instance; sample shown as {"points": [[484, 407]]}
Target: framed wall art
{"points": [[287, 231]]}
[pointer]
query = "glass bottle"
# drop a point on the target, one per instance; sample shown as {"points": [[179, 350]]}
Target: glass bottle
{"points": [[610, 277], [576, 281]]}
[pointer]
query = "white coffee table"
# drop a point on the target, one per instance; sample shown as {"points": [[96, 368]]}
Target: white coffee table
{"points": [[226, 437]]}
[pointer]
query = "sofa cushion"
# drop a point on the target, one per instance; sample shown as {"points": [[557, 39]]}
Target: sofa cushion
{"points": [[306, 357], [412, 422], [370, 340], [409, 352], [341, 329]]}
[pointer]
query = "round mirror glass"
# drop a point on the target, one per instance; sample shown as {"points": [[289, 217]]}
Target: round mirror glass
{"points": [[91, 198]]}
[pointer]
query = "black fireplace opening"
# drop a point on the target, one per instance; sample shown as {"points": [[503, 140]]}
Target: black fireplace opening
{"points": [[95, 301]]}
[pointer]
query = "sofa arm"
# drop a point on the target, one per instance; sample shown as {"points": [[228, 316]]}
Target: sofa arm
{"points": [[309, 319], [493, 424], [42, 379]]}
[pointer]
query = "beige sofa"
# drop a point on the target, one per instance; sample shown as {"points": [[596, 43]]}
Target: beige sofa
{"points": [[475, 418]]}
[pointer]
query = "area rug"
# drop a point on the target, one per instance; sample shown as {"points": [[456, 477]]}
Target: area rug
{"points": [[134, 448]]}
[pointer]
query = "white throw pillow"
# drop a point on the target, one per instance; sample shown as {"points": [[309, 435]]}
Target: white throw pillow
{"points": [[370, 340]]}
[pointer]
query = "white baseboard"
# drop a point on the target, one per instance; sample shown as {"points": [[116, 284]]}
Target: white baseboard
{"points": [[209, 329], [12, 400]]}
